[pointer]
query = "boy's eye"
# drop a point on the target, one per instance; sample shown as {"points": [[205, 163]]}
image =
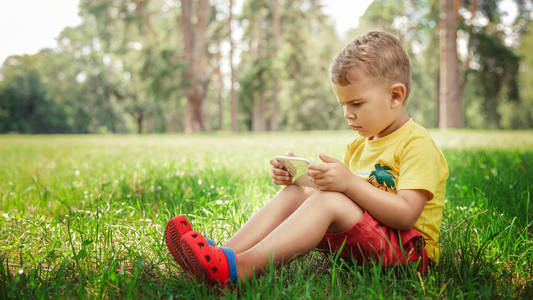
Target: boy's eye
{"points": [[355, 104]]}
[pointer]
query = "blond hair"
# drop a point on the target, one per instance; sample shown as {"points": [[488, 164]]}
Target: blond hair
{"points": [[376, 54]]}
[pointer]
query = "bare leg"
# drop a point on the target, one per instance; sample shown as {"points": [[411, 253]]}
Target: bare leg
{"points": [[301, 232], [268, 217]]}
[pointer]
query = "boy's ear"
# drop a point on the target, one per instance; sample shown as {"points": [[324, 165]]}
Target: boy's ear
{"points": [[397, 93]]}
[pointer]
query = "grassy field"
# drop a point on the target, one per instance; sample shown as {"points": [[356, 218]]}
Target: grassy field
{"points": [[84, 216]]}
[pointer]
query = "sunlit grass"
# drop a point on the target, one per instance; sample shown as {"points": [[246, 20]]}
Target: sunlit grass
{"points": [[84, 216]]}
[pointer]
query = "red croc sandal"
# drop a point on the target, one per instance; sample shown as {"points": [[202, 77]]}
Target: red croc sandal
{"points": [[176, 228], [209, 264]]}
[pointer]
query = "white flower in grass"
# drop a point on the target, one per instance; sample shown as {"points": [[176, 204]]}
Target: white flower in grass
{"points": [[200, 181], [77, 173], [21, 271]]}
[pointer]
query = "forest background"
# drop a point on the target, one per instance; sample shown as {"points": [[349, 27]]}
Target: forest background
{"points": [[162, 66]]}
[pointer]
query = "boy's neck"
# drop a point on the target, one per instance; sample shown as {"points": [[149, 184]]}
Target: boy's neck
{"points": [[393, 127]]}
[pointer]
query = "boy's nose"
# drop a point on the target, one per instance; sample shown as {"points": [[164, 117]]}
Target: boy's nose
{"points": [[349, 115]]}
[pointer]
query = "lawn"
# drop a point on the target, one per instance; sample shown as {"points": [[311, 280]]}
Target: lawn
{"points": [[84, 216]]}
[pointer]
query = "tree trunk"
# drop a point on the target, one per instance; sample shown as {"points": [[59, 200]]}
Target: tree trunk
{"points": [[437, 86], [277, 32], [450, 107], [233, 98], [171, 127], [195, 55], [139, 120], [220, 87], [194, 114], [149, 128], [259, 103]]}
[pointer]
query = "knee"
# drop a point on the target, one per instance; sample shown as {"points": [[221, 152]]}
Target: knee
{"points": [[326, 196], [343, 212], [294, 191], [334, 201], [293, 196]]}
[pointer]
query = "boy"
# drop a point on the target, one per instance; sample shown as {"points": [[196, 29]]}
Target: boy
{"points": [[384, 203]]}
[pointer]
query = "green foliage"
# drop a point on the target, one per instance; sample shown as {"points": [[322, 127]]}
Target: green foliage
{"points": [[84, 217], [25, 105], [308, 44], [523, 110], [415, 23], [249, 87], [491, 95], [122, 69]]}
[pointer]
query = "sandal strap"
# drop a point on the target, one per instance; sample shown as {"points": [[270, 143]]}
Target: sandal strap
{"points": [[232, 264]]}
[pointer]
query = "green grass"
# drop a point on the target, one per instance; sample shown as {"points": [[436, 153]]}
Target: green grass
{"points": [[84, 216]]}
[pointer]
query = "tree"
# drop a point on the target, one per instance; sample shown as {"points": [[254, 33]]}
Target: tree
{"points": [[450, 107], [25, 106], [276, 20], [234, 106], [300, 63], [194, 37], [259, 102], [414, 23], [524, 109], [486, 81]]}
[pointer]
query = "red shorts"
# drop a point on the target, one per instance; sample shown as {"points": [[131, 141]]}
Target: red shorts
{"points": [[371, 240]]}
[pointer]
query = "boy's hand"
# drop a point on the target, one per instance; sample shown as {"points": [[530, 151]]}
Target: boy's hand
{"points": [[332, 175], [280, 175]]}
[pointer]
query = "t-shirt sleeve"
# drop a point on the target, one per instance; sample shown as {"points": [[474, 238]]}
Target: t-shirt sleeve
{"points": [[419, 166]]}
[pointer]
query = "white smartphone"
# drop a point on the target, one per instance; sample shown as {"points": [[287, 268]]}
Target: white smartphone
{"points": [[297, 166]]}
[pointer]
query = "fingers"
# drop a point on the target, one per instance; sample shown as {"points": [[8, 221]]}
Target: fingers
{"points": [[322, 178], [281, 180], [278, 169], [323, 184], [280, 176], [317, 167], [316, 174], [280, 172], [328, 159], [276, 164]]}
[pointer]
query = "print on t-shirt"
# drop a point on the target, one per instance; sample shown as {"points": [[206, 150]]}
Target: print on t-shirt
{"points": [[382, 179]]}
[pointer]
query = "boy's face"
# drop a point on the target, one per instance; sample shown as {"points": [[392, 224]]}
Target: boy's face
{"points": [[369, 106]]}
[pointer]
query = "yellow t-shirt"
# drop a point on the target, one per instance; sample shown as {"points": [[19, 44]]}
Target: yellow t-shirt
{"points": [[406, 159]]}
